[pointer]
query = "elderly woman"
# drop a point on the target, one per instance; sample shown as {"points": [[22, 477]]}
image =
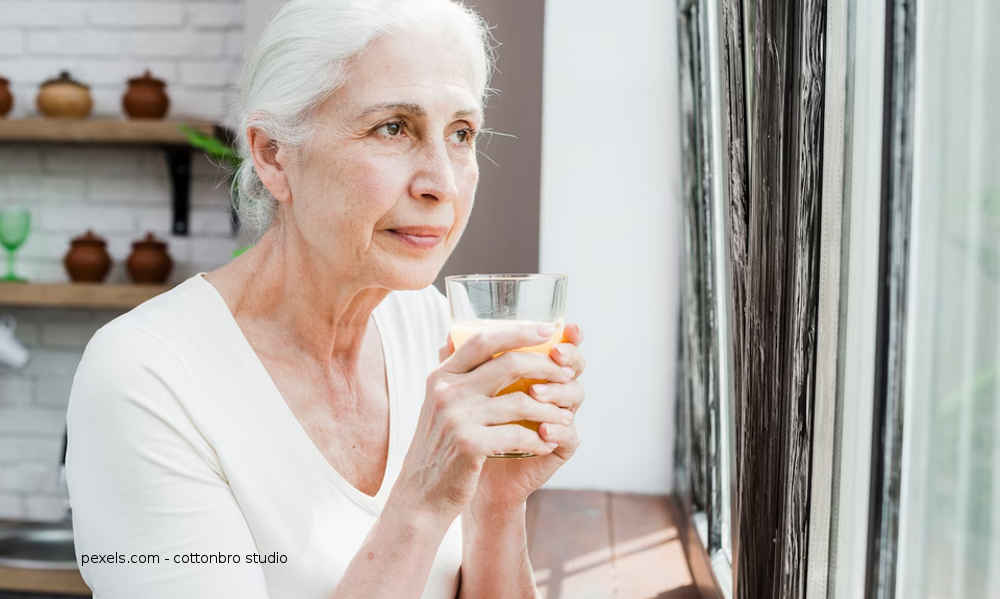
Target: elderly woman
{"points": [[288, 425]]}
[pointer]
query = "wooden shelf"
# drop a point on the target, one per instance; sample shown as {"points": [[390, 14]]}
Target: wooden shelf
{"points": [[77, 295], [100, 130]]}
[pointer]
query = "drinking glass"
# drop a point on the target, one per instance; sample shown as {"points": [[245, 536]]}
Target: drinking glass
{"points": [[15, 223], [484, 301]]}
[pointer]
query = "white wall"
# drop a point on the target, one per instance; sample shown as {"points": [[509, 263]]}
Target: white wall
{"points": [[195, 46], [610, 220]]}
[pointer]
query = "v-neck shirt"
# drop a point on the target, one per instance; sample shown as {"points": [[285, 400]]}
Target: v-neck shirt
{"points": [[180, 442]]}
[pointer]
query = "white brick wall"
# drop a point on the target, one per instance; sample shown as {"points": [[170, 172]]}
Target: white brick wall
{"points": [[194, 46], [120, 193], [142, 14], [33, 13], [11, 42]]}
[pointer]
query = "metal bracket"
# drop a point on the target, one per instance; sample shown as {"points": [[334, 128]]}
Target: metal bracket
{"points": [[179, 168]]}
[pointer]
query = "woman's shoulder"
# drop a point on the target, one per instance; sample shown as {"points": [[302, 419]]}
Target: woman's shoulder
{"points": [[135, 393], [124, 351], [184, 306], [153, 329], [124, 369], [152, 358]]}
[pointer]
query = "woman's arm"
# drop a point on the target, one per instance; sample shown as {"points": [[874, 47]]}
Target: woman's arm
{"points": [[145, 486], [143, 481], [396, 557], [495, 560]]}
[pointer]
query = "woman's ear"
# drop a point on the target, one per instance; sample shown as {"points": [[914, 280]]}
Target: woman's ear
{"points": [[268, 162]]}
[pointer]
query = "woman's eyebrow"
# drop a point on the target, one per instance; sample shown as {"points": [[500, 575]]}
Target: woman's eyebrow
{"points": [[410, 108]]}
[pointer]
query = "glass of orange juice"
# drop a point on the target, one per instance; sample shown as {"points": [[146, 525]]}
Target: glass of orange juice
{"points": [[479, 302]]}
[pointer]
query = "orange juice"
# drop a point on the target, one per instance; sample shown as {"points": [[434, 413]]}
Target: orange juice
{"points": [[461, 332]]}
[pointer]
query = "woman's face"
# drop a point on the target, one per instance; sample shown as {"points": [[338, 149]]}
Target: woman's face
{"points": [[393, 149]]}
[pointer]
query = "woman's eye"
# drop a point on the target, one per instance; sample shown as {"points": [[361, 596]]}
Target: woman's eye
{"points": [[465, 136], [392, 129]]}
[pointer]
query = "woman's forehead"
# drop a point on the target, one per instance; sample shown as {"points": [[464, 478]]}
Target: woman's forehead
{"points": [[429, 59]]}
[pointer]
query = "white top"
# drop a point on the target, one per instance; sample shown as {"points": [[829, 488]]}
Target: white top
{"points": [[180, 443]]}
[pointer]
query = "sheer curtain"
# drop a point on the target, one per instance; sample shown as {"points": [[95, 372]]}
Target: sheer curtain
{"points": [[949, 544]]}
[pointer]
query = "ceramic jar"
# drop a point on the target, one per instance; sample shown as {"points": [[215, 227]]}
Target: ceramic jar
{"points": [[64, 97], [146, 98], [149, 262], [87, 260], [6, 98]]}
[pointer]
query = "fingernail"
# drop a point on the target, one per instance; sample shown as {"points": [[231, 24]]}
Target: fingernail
{"points": [[569, 372], [539, 390], [567, 417], [546, 330], [552, 445]]}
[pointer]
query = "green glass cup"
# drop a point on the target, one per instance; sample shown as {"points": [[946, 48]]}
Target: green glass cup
{"points": [[15, 224]]}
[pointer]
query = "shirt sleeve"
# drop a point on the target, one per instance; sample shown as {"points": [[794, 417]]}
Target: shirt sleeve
{"points": [[153, 514]]}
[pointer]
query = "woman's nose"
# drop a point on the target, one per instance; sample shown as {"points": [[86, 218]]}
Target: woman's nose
{"points": [[435, 176]]}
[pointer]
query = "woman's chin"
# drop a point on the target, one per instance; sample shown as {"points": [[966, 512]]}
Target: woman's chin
{"points": [[411, 276]]}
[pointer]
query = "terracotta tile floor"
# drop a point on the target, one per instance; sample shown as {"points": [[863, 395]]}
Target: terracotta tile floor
{"points": [[601, 545]]}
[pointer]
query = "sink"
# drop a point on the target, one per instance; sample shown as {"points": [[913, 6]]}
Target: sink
{"points": [[37, 545]]}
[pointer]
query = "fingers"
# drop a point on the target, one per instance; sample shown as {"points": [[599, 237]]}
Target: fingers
{"points": [[511, 407], [498, 373], [514, 437], [498, 338], [572, 333], [567, 354], [565, 395], [565, 437], [446, 350]]}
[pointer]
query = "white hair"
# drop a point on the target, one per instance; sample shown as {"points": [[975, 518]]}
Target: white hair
{"points": [[302, 58]]}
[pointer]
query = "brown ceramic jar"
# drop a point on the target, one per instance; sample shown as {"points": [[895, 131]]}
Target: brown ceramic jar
{"points": [[87, 260], [146, 98], [149, 262], [6, 98], [64, 97]]}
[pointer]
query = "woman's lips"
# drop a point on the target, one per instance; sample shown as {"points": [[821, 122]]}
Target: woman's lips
{"points": [[422, 241]]}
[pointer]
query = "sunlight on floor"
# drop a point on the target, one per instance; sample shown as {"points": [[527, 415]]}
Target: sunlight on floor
{"points": [[600, 545]]}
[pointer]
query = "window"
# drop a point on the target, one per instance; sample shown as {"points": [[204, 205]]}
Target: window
{"points": [[839, 390], [949, 504]]}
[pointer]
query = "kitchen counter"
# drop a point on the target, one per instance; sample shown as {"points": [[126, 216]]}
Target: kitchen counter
{"points": [[59, 579], [60, 582]]}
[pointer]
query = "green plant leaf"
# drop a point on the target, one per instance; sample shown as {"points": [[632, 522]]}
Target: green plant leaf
{"points": [[212, 146]]}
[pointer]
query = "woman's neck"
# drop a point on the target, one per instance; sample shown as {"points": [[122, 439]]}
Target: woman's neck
{"points": [[310, 309]]}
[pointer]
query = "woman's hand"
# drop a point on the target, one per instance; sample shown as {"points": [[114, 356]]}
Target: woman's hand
{"points": [[461, 423], [506, 483]]}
